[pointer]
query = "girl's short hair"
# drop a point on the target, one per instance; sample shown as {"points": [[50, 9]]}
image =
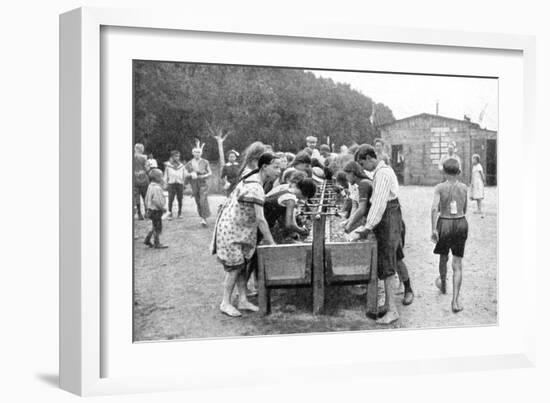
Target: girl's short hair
{"points": [[301, 158], [293, 176], [307, 186], [356, 169], [341, 178], [266, 159], [155, 175], [476, 157]]}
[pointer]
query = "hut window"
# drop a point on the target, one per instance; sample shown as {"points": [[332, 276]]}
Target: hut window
{"points": [[439, 143]]}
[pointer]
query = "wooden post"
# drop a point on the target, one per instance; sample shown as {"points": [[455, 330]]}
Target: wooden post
{"points": [[372, 288], [264, 294], [318, 263]]}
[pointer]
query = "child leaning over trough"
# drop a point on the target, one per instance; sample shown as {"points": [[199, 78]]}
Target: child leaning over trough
{"points": [[154, 205], [450, 228]]}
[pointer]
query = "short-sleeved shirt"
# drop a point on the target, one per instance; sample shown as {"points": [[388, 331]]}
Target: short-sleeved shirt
{"points": [[275, 204], [364, 188], [235, 234], [449, 192]]}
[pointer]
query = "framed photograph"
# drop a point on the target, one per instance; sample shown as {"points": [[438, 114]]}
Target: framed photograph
{"points": [[300, 201]]}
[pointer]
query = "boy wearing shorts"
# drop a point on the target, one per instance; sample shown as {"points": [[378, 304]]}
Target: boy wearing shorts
{"points": [[450, 228]]}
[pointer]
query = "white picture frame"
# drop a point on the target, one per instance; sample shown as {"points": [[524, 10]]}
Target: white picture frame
{"points": [[82, 298]]}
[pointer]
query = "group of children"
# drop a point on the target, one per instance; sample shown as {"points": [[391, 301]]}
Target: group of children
{"points": [[150, 183], [265, 189]]}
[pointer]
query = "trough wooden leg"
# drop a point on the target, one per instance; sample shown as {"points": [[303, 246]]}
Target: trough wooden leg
{"points": [[372, 288], [319, 264], [264, 294]]}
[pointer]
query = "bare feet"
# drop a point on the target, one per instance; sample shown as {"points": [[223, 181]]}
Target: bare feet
{"points": [[229, 310], [441, 284], [388, 318], [247, 306], [456, 306]]}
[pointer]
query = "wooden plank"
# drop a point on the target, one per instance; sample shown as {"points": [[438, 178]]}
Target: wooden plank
{"points": [[348, 261], [372, 288], [318, 263], [286, 263], [264, 294]]}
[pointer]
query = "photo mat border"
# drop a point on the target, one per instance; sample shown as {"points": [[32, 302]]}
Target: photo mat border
{"points": [[80, 257]]}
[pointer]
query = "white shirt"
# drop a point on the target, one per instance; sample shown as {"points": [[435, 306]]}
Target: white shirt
{"points": [[385, 189]]}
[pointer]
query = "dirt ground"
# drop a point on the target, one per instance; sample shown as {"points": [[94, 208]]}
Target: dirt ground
{"points": [[178, 290]]}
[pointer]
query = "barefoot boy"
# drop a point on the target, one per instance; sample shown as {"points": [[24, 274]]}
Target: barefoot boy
{"points": [[154, 203], [450, 228]]}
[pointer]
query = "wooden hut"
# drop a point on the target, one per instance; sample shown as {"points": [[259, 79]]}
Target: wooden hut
{"points": [[417, 143]]}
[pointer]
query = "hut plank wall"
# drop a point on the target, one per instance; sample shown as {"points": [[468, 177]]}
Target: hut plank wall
{"points": [[424, 138]]}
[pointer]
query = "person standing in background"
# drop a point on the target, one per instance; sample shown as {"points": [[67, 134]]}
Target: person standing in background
{"points": [[477, 186], [151, 163], [141, 180], [199, 170], [451, 153], [174, 177], [154, 204], [379, 147]]}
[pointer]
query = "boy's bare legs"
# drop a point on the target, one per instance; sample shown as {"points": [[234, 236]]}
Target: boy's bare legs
{"points": [[389, 303], [228, 286], [457, 282], [441, 282], [243, 301]]}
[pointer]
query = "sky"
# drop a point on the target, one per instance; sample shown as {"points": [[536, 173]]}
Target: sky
{"points": [[409, 95]]}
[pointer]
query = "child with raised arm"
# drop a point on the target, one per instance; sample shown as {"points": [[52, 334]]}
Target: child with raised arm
{"points": [[450, 228]]}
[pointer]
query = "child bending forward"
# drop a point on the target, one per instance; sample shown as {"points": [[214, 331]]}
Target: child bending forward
{"points": [[450, 228]]}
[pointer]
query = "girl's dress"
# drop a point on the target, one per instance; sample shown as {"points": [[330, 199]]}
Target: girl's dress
{"points": [[477, 188], [235, 233]]}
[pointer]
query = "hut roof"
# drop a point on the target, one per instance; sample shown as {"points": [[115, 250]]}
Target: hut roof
{"points": [[429, 115]]}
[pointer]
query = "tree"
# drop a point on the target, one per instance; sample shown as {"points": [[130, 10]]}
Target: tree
{"points": [[232, 106]]}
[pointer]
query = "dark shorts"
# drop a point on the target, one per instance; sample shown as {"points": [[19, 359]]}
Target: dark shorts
{"points": [[453, 233], [400, 253], [389, 238]]}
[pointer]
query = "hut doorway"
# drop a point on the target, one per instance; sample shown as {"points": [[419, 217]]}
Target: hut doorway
{"points": [[398, 161], [491, 162]]}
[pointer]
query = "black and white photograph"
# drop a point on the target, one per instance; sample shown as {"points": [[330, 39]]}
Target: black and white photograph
{"points": [[270, 200]]}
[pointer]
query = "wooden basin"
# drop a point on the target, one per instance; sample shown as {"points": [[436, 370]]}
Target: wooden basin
{"points": [[349, 262], [285, 264]]}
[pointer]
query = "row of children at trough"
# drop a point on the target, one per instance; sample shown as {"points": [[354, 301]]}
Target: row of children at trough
{"points": [[264, 190]]}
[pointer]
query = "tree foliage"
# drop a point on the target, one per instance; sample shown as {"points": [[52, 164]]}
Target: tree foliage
{"points": [[176, 103]]}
